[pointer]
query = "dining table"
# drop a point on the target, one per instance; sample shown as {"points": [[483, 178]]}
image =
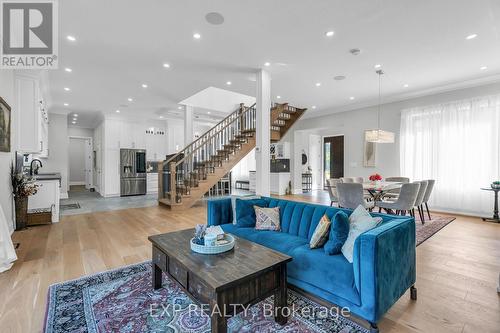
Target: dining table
{"points": [[378, 189]]}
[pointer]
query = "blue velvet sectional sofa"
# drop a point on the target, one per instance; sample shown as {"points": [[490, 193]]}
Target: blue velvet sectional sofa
{"points": [[383, 266]]}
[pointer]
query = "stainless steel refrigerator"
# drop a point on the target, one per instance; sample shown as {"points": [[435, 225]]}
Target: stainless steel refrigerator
{"points": [[132, 172]]}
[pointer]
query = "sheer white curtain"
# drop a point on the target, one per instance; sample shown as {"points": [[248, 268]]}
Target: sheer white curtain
{"points": [[458, 145], [7, 252]]}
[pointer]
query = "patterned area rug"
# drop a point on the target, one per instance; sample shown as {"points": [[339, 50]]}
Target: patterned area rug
{"points": [[123, 300], [429, 228]]}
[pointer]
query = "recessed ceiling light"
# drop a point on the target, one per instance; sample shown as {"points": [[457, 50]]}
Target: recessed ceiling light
{"points": [[117, 111], [378, 66], [351, 98], [67, 89], [208, 112], [69, 70], [472, 36], [329, 33], [166, 65], [73, 122], [483, 68], [229, 83], [196, 36], [130, 99], [313, 107], [267, 64], [75, 115], [179, 107], [144, 85], [66, 104], [278, 97], [318, 84], [406, 85], [161, 117], [71, 38]]}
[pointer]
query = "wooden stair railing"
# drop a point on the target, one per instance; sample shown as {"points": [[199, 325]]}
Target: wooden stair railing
{"points": [[193, 170]]}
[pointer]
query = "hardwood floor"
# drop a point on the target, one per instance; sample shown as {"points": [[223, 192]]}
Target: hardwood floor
{"points": [[457, 269]]}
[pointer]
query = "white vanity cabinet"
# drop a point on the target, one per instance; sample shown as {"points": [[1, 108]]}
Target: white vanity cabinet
{"points": [[47, 196]]}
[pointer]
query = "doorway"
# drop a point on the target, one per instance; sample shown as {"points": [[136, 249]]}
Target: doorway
{"points": [[333, 158], [80, 163]]}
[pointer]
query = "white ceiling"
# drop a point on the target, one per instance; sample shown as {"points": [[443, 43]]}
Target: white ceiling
{"points": [[122, 44]]}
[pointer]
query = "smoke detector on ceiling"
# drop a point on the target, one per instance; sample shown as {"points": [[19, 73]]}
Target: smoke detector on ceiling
{"points": [[214, 18], [355, 51]]}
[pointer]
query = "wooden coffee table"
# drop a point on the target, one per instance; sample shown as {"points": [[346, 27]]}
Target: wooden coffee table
{"points": [[226, 283]]}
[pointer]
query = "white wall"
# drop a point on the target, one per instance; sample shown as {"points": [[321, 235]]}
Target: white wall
{"points": [[175, 134], [58, 150], [241, 170], [6, 158], [76, 152], [353, 123], [81, 132]]}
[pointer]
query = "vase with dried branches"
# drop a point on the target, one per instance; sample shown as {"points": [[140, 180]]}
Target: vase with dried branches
{"points": [[22, 187]]}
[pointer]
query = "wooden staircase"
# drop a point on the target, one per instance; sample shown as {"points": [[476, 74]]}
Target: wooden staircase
{"points": [[185, 177]]}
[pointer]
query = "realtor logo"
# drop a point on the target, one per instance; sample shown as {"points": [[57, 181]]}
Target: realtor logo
{"points": [[28, 34]]}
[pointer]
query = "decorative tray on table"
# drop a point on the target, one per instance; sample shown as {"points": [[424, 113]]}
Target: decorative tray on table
{"points": [[228, 244]]}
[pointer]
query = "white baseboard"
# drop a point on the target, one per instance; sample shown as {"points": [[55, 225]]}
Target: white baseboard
{"points": [[76, 183], [64, 195]]}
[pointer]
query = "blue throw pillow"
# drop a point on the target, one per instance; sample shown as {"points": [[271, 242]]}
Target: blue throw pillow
{"points": [[245, 213], [339, 230]]}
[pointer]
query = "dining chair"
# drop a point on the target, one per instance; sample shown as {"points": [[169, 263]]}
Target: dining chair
{"points": [[358, 179], [393, 194], [347, 180], [405, 201], [351, 196], [398, 179], [427, 195], [332, 190], [420, 199]]}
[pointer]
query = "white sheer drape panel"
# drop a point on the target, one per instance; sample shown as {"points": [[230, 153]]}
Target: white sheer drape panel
{"points": [[458, 145]]}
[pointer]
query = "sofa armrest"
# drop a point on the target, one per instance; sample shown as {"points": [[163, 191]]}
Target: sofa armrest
{"points": [[219, 211], [385, 264]]}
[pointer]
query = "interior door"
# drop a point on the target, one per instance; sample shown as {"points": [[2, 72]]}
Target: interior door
{"points": [[333, 157], [89, 165]]}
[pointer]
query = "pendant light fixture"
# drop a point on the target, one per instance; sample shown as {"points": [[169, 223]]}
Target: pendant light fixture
{"points": [[378, 135]]}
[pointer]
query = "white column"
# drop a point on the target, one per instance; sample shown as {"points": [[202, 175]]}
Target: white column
{"points": [[188, 124], [262, 156]]}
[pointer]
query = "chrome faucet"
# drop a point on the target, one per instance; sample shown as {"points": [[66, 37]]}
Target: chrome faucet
{"points": [[31, 166]]}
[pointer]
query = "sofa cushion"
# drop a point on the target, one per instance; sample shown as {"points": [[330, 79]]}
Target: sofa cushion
{"points": [[245, 212], [279, 241], [333, 274], [359, 221], [267, 218], [275, 240], [339, 230]]}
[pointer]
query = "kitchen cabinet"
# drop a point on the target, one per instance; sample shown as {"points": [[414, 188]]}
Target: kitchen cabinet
{"points": [[112, 173], [47, 196], [33, 117], [279, 182], [252, 178], [152, 183]]}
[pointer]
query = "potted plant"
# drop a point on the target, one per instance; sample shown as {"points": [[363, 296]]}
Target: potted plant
{"points": [[22, 187], [375, 179]]}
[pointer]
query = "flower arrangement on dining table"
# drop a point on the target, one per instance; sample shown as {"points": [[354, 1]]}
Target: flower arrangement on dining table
{"points": [[375, 177]]}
